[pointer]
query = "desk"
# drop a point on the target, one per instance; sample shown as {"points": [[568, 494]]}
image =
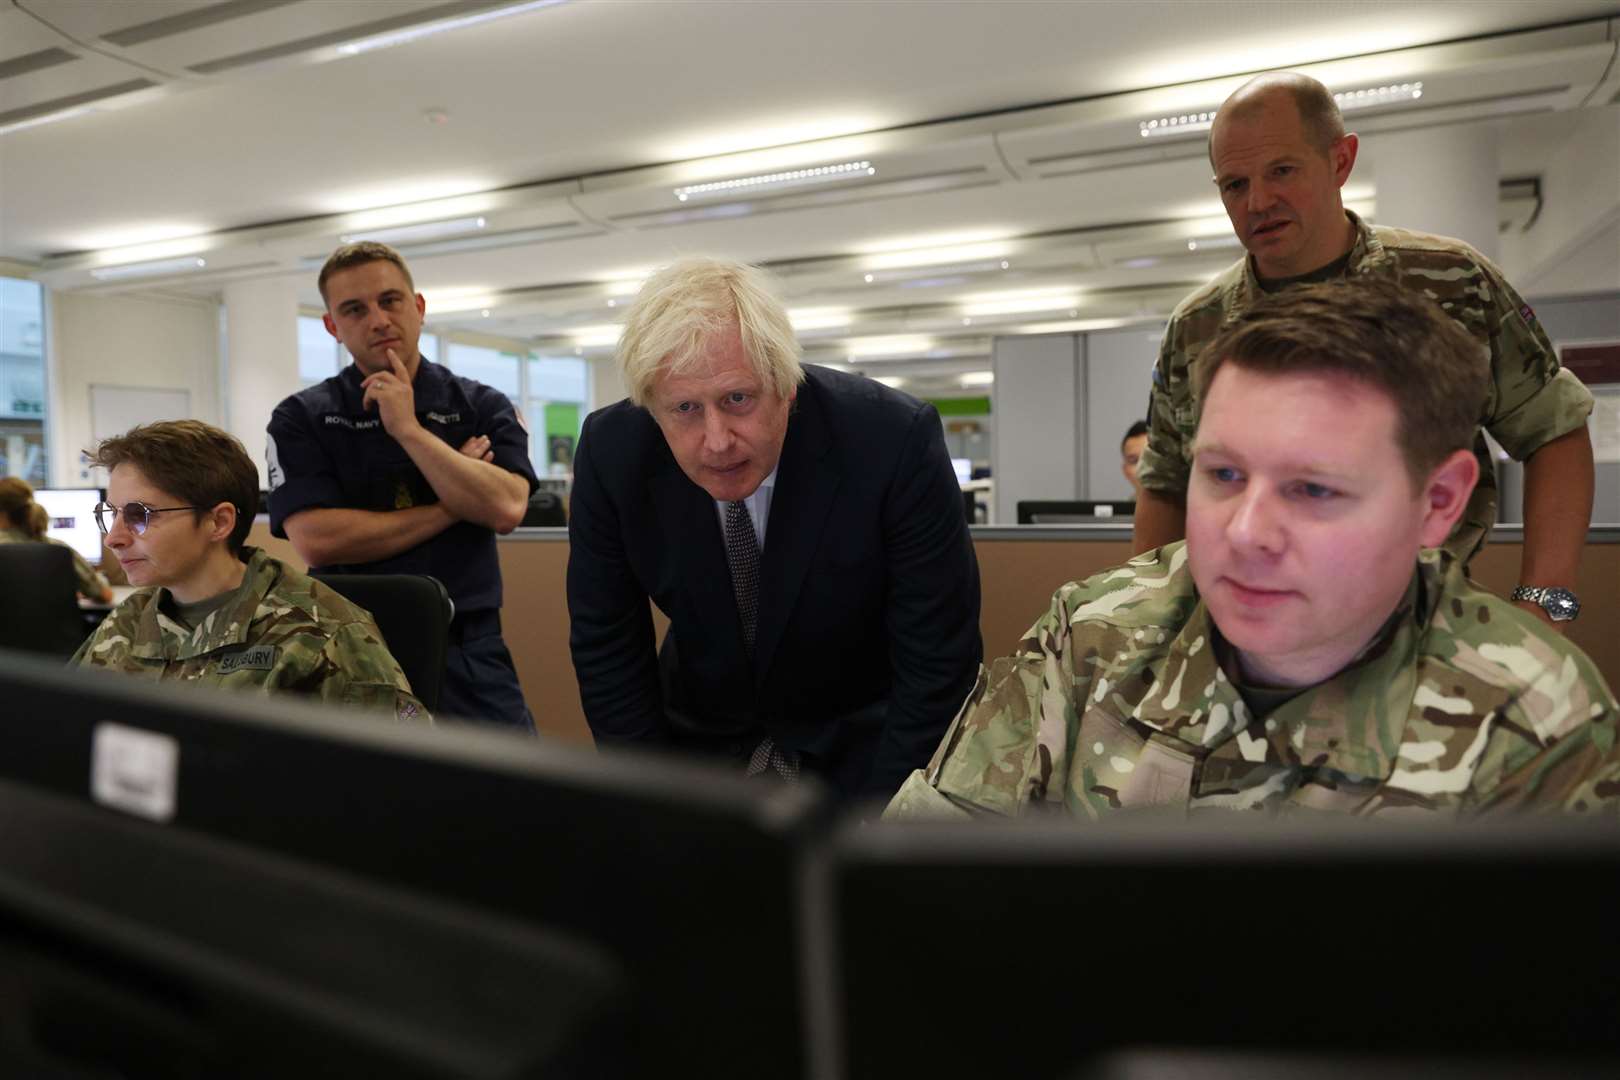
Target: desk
{"points": [[1019, 569]]}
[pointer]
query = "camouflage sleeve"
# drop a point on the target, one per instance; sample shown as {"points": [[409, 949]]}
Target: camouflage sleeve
{"points": [[1010, 740], [1533, 400], [357, 670], [90, 582], [1554, 747], [1165, 466]]}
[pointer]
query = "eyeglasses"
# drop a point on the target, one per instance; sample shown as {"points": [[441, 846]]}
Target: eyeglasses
{"points": [[137, 515]]}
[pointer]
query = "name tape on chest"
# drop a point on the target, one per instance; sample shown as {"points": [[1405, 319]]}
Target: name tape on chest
{"points": [[372, 423], [255, 658]]}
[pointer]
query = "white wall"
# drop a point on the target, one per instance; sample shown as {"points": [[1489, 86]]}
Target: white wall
{"points": [[1119, 374], [124, 341], [606, 385], [1580, 201], [1037, 442]]}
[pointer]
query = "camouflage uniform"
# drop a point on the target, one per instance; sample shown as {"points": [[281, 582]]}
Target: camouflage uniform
{"points": [[1531, 402], [282, 631], [1115, 700]]}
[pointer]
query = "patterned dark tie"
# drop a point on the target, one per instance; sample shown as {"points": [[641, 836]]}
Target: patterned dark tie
{"points": [[742, 552]]}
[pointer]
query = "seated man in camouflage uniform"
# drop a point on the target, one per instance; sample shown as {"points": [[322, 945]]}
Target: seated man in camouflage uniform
{"points": [[182, 497], [1310, 645]]}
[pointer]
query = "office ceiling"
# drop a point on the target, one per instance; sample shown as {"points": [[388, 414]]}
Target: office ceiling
{"points": [[239, 132]]}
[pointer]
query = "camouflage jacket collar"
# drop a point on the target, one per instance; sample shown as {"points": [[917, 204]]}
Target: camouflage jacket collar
{"points": [[1366, 254], [161, 638], [1352, 724]]}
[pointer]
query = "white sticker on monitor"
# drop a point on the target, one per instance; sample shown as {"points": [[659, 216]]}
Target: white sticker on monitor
{"points": [[134, 770]]}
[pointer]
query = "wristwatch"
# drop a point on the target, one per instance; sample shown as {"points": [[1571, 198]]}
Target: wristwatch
{"points": [[1559, 604]]}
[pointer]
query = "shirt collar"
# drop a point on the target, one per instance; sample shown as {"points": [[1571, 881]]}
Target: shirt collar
{"points": [[1367, 250], [160, 637], [1352, 723]]}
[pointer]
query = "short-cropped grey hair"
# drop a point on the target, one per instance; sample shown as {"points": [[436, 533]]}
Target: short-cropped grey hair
{"points": [[687, 305]]}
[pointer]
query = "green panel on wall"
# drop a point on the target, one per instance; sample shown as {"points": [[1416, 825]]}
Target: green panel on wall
{"points": [[966, 406]]}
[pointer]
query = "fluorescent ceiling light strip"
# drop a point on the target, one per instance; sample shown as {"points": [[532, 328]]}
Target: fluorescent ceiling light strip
{"points": [[415, 33], [821, 174], [427, 230], [1021, 306], [149, 269], [818, 318], [978, 378], [861, 349], [1186, 123]]}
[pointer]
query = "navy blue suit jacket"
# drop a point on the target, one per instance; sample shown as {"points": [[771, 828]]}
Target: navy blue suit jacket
{"points": [[868, 633]]}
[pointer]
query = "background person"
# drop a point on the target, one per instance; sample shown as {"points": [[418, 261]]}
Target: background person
{"points": [[1280, 155], [180, 502], [1308, 646], [802, 528], [23, 521], [397, 466], [1130, 454]]}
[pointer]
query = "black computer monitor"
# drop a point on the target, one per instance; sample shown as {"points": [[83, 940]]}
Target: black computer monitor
{"points": [[1050, 949], [73, 519], [1073, 511], [682, 877]]}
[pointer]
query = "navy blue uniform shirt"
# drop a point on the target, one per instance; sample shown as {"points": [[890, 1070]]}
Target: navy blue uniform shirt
{"points": [[326, 450]]}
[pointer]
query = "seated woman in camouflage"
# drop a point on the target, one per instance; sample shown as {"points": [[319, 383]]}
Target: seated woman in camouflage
{"points": [[180, 502], [24, 521], [1310, 646]]}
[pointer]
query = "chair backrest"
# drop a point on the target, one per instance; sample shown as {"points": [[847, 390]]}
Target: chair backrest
{"points": [[545, 510], [413, 612], [38, 612]]}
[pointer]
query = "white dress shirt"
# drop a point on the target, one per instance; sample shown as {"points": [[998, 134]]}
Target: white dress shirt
{"points": [[759, 509]]}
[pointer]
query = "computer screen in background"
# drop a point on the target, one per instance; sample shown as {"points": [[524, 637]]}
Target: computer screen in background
{"points": [[73, 519], [964, 469]]}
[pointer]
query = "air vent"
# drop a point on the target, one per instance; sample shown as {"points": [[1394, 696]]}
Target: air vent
{"points": [[64, 103], [190, 20], [34, 61], [337, 37]]}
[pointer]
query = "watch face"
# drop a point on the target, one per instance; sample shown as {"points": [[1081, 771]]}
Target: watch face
{"points": [[1561, 605]]}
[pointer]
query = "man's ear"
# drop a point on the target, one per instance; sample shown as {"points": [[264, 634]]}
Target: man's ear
{"points": [[421, 306], [1446, 494], [1343, 156], [222, 520], [331, 327]]}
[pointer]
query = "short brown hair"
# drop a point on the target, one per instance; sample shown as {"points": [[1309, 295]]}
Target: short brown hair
{"points": [[1377, 333], [15, 499], [195, 462], [358, 254], [1319, 114]]}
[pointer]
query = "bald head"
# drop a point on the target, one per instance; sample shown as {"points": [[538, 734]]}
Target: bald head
{"points": [[1318, 113]]}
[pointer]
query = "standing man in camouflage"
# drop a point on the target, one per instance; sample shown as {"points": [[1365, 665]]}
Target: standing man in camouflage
{"points": [[1309, 646], [181, 497], [1280, 155]]}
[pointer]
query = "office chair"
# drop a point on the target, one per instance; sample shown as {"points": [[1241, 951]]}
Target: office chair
{"points": [[41, 614], [413, 611], [545, 510]]}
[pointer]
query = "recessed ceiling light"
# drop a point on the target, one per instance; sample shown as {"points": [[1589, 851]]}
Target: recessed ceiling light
{"points": [[820, 174]]}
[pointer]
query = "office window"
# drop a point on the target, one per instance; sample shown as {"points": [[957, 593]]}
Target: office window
{"points": [[557, 399], [320, 355], [428, 346], [489, 366], [23, 440]]}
